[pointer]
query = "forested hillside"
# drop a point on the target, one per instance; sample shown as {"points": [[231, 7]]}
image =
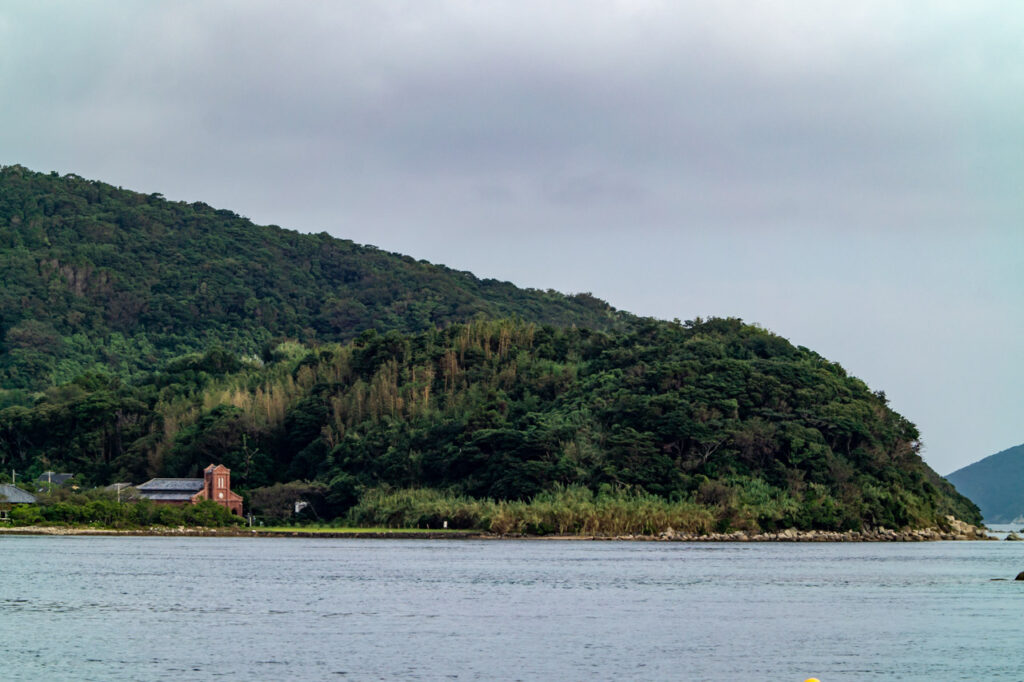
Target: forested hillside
{"points": [[995, 484], [724, 416], [98, 278], [142, 337]]}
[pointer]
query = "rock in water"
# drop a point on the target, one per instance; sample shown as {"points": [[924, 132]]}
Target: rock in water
{"points": [[1014, 536], [1020, 576]]}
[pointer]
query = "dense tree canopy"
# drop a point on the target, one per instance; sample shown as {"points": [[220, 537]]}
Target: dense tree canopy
{"points": [[717, 412], [142, 337], [95, 277]]}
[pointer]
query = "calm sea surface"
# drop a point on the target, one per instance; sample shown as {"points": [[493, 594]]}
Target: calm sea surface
{"points": [[88, 608]]}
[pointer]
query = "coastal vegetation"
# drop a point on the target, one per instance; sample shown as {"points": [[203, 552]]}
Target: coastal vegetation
{"points": [[145, 338], [728, 422], [574, 511], [99, 508]]}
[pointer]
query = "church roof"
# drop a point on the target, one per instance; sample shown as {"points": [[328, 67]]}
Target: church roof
{"points": [[171, 485]]}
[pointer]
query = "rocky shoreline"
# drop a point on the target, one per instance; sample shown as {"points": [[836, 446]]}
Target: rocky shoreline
{"points": [[956, 530], [874, 535]]}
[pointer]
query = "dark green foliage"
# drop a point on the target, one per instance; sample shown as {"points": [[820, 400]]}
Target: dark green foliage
{"points": [[95, 277], [103, 509], [994, 483], [296, 501]]}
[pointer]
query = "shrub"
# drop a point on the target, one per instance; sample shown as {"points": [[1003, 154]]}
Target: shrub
{"points": [[26, 515]]}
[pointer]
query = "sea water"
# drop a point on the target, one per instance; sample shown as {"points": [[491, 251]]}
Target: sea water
{"points": [[159, 608]]}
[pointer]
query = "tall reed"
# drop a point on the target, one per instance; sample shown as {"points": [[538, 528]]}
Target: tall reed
{"points": [[571, 510]]}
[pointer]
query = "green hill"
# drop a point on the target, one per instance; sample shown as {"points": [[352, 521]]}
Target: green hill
{"points": [[98, 278], [995, 485], [143, 337], [724, 417]]}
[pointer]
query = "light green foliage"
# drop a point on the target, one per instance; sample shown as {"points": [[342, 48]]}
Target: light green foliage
{"points": [[564, 511]]}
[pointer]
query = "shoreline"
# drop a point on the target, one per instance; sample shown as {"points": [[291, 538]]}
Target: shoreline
{"points": [[198, 531], [958, 531]]}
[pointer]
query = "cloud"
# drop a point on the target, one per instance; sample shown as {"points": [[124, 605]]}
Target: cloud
{"points": [[698, 104], [848, 174]]}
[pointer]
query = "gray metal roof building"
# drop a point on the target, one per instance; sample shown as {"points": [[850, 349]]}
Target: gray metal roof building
{"points": [[54, 478], [14, 495], [170, 489]]}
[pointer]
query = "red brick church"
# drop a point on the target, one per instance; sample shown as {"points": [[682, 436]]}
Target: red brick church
{"points": [[214, 485]]}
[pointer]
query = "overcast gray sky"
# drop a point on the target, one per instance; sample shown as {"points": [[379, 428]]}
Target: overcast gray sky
{"points": [[849, 175]]}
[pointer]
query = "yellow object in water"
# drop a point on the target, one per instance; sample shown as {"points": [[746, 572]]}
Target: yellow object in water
{"points": [[812, 679]]}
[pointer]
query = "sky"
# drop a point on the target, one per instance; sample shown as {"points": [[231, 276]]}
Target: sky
{"points": [[847, 175]]}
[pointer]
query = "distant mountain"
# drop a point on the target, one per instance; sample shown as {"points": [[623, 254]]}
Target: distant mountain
{"points": [[995, 484], [98, 278]]}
